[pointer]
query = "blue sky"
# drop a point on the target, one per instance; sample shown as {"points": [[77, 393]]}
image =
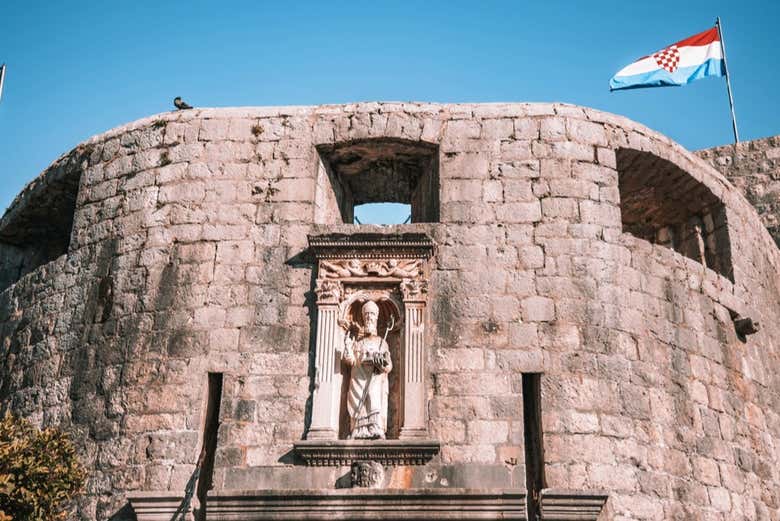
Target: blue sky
{"points": [[79, 68]]}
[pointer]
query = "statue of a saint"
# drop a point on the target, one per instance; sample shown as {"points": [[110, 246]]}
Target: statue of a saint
{"points": [[369, 358]]}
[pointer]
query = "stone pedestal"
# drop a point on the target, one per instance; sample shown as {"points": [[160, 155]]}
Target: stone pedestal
{"points": [[336, 453]]}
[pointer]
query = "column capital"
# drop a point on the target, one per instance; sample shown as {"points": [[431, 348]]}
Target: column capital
{"points": [[328, 292], [414, 290]]}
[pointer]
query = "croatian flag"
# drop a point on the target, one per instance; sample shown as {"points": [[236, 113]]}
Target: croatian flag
{"points": [[679, 64]]}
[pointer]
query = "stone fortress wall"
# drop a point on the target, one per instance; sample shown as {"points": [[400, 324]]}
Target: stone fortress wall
{"points": [[754, 168], [568, 242]]}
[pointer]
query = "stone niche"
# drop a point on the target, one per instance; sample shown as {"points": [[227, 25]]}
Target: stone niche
{"points": [[392, 272]]}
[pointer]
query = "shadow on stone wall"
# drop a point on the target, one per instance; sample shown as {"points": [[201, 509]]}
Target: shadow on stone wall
{"points": [[124, 514], [304, 260]]}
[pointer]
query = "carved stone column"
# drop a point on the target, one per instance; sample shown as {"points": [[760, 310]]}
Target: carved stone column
{"points": [[413, 384], [325, 400]]}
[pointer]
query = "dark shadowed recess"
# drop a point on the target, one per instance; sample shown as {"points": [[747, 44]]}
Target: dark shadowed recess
{"points": [[535, 480], [663, 204], [36, 228], [209, 449], [384, 170]]}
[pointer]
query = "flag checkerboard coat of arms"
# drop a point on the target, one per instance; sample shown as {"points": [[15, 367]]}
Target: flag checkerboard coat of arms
{"points": [[668, 58]]}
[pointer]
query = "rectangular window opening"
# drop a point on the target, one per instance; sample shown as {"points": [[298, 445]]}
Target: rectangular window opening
{"points": [[535, 480], [378, 181]]}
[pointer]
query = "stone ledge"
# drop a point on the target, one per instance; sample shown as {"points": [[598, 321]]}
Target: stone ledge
{"points": [[368, 504], [331, 453], [572, 505], [156, 505], [353, 504]]}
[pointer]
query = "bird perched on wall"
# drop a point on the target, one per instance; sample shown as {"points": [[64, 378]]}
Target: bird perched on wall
{"points": [[179, 104]]}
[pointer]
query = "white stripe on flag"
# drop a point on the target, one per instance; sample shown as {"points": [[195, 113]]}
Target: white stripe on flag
{"points": [[638, 67], [696, 55], [689, 55]]}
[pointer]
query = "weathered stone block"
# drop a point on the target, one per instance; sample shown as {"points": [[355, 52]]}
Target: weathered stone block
{"points": [[454, 360], [586, 132], [214, 129], [538, 309], [519, 212], [462, 190], [498, 129], [492, 191], [488, 431], [560, 208], [472, 384]]}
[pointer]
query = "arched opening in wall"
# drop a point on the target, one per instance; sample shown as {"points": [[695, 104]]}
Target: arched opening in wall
{"points": [[381, 170], [383, 213], [665, 205], [36, 228]]}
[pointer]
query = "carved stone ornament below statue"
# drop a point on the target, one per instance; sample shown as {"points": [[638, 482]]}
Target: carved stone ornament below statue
{"points": [[367, 474]]}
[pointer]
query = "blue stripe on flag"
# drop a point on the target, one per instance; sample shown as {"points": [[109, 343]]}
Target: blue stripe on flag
{"points": [[664, 78]]}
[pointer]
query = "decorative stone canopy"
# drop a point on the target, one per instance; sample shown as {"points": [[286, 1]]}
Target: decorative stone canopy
{"points": [[392, 271]]}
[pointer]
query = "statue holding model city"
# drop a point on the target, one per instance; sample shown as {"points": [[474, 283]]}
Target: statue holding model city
{"points": [[369, 359]]}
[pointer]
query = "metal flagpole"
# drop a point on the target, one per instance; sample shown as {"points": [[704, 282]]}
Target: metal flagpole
{"points": [[728, 80], [2, 78]]}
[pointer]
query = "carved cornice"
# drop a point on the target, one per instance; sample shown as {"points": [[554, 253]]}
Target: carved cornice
{"points": [[333, 453], [371, 246]]}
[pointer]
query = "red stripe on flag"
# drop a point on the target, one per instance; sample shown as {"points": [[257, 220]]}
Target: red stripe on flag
{"points": [[703, 38]]}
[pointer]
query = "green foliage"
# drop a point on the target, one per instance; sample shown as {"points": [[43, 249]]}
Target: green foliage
{"points": [[39, 472]]}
